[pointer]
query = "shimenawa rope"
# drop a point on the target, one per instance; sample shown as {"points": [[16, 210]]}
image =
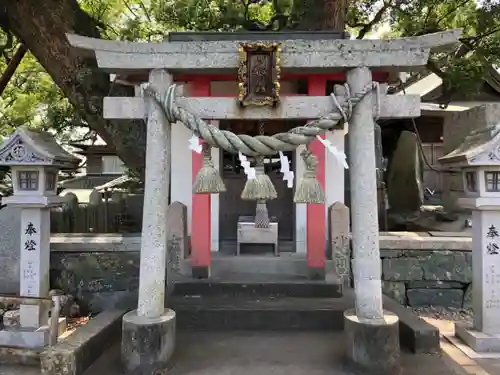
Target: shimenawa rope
{"points": [[308, 190]]}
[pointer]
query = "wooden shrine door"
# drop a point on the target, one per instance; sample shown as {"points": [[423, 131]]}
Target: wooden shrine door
{"points": [[231, 206]]}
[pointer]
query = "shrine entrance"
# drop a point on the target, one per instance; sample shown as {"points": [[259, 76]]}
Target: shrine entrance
{"points": [[231, 206]]}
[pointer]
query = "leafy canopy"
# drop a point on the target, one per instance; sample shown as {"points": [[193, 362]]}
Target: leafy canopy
{"points": [[32, 98]]}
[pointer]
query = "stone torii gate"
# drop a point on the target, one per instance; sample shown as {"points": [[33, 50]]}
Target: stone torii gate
{"points": [[372, 338]]}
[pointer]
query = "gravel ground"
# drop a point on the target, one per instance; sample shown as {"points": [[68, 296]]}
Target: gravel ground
{"points": [[445, 313]]}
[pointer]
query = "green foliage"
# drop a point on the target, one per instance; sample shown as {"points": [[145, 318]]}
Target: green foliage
{"points": [[33, 98], [462, 69]]}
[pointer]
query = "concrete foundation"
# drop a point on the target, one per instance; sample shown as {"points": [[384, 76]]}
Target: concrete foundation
{"points": [[480, 342], [78, 350], [147, 343], [29, 338], [316, 273], [200, 272], [372, 348]]}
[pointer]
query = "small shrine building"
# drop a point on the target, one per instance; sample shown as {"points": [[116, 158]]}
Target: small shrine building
{"points": [[212, 219]]}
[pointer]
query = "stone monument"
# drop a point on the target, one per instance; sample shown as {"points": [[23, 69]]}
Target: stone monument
{"points": [[339, 220], [372, 337], [404, 182], [34, 158], [478, 158]]}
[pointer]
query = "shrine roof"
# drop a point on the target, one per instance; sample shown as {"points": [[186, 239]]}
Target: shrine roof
{"points": [[86, 149], [481, 147], [31, 147]]}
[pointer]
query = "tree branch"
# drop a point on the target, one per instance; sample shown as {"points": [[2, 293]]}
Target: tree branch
{"points": [[434, 68], [376, 19], [477, 38], [130, 9], [442, 18], [11, 67], [246, 5], [145, 10], [430, 8]]}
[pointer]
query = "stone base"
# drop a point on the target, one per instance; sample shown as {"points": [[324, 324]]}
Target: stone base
{"points": [[24, 338], [147, 343], [29, 338], [372, 348], [202, 272], [316, 273], [62, 325], [478, 341], [80, 349], [19, 356]]}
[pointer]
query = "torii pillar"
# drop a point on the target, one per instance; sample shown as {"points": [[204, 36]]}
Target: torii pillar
{"points": [[148, 333]]}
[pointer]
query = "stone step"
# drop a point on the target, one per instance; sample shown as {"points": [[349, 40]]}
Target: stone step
{"points": [[214, 313], [259, 288], [225, 313]]}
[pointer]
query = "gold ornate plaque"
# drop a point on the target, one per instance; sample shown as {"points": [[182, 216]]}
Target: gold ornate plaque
{"points": [[259, 74]]}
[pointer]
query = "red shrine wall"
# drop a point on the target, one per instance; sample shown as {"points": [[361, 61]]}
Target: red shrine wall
{"points": [[310, 232]]}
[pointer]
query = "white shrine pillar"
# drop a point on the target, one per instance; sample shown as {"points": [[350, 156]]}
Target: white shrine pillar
{"points": [[148, 336], [372, 337], [35, 263]]}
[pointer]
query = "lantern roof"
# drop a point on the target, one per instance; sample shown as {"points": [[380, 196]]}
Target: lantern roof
{"points": [[31, 147], [480, 148]]}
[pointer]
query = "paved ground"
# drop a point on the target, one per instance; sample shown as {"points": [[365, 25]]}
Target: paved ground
{"points": [[264, 353], [492, 366], [278, 353], [18, 370]]}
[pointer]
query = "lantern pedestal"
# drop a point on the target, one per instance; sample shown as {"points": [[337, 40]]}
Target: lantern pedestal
{"points": [[35, 159], [478, 158]]}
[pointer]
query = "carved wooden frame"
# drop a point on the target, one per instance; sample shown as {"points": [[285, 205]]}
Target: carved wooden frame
{"points": [[245, 96]]}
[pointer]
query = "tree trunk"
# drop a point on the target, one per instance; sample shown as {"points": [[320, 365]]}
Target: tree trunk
{"points": [[42, 29], [335, 14], [316, 15]]}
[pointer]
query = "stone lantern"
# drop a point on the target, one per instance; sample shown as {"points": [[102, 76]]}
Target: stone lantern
{"points": [[478, 158], [35, 159]]}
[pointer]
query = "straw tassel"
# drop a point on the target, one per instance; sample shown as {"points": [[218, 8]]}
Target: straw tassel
{"points": [[208, 180], [309, 189], [261, 215], [260, 187]]}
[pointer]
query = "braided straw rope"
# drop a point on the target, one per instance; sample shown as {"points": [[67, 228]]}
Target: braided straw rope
{"points": [[261, 144]]}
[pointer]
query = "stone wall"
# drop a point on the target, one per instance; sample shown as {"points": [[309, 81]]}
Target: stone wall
{"points": [[103, 271], [97, 280], [100, 271], [423, 271]]}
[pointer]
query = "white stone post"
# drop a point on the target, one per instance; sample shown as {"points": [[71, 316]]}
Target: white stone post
{"points": [[156, 193], [484, 337], [486, 272], [35, 264], [364, 211]]}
